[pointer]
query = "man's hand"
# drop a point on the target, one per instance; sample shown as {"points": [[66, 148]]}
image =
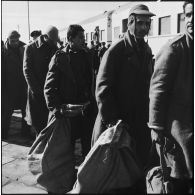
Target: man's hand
{"points": [[71, 110], [68, 113], [111, 124], [157, 136], [72, 113]]}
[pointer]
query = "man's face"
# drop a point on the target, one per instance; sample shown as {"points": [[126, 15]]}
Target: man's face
{"points": [[56, 36], [13, 42], [141, 27], [189, 18], [35, 37], [53, 36], [78, 42]]}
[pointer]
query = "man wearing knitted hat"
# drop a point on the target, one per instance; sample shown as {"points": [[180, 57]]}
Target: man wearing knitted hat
{"points": [[123, 83]]}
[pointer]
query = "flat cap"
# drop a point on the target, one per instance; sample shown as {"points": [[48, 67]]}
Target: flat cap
{"points": [[35, 33], [141, 9], [13, 34]]}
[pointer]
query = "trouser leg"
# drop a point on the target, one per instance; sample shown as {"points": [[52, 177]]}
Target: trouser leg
{"points": [[181, 186], [6, 119], [86, 133], [75, 123], [143, 144], [26, 130]]}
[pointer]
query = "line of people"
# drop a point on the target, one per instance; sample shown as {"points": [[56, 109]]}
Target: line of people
{"points": [[130, 86], [17, 90]]}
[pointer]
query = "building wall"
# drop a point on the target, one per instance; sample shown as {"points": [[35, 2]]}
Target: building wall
{"points": [[113, 26], [161, 9], [90, 27]]}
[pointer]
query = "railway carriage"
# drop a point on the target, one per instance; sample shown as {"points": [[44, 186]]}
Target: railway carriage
{"points": [[168, 22]]}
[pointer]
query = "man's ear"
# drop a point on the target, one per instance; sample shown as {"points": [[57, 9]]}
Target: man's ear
{"points": [[130, 20], [70, 39]]}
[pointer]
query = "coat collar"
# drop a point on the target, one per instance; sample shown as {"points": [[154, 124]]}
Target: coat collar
{"points": [[67, 49], [129, 46], [40, 41], [7, 46], [189, 40], [128, 43]]}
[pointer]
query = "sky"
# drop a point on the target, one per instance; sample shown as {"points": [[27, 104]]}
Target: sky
{"points": [[43, 13]]}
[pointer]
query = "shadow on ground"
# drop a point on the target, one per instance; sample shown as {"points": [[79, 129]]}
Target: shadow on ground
{"points": [[15, 136]]}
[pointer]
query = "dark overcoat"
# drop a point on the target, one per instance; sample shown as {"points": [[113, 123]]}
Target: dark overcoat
{"points": [[37, 56], [171, 102], [14, 87], [122, 91], [61, 87]]}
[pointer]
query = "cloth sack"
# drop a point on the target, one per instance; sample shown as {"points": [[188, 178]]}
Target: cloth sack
{"points": [[154, 182], [111, 163], [158, 180], [51, 157]]}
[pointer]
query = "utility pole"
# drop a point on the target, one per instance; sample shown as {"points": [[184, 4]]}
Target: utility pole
{"points": [[28, 21], [18, 26]]}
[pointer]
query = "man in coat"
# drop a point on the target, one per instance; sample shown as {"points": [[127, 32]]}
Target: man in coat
{"points": [[171, 103], [122, 86], [14, 87], [69, 81], [102, 50], [37, 56]]}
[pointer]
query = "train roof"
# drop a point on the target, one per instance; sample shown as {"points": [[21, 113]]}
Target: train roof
{"points": [[103, 15], [116, 10]]}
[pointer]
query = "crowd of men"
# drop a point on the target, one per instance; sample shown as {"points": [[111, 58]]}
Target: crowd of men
{"points": [[119, 82]]}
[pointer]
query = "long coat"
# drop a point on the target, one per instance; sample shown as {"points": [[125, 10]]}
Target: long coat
{"points": [[61, 87], [122, 89], [14, 87], [37, 56], [171, 102]]}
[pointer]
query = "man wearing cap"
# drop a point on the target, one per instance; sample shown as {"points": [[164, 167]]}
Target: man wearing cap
{"points": [[171, 104], [37, 56], [123, 82], [14, 87], [102, 50]]}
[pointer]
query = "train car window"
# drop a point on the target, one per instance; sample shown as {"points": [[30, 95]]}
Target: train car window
{"points": [[165, 25], [102, 35], [181, 25], [86, 37], [92, 35], [151, 29], [124, 25], [116, 32]]}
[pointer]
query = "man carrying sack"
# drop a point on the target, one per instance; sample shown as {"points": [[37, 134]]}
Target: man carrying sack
{"points": [[171, 100], [122, 86], [69, 81]]}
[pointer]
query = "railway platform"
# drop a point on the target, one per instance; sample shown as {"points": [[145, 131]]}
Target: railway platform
{"points": [[16, 178]]}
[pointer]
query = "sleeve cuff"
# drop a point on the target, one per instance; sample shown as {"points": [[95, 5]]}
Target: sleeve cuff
{"points": [[156, 127]]}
